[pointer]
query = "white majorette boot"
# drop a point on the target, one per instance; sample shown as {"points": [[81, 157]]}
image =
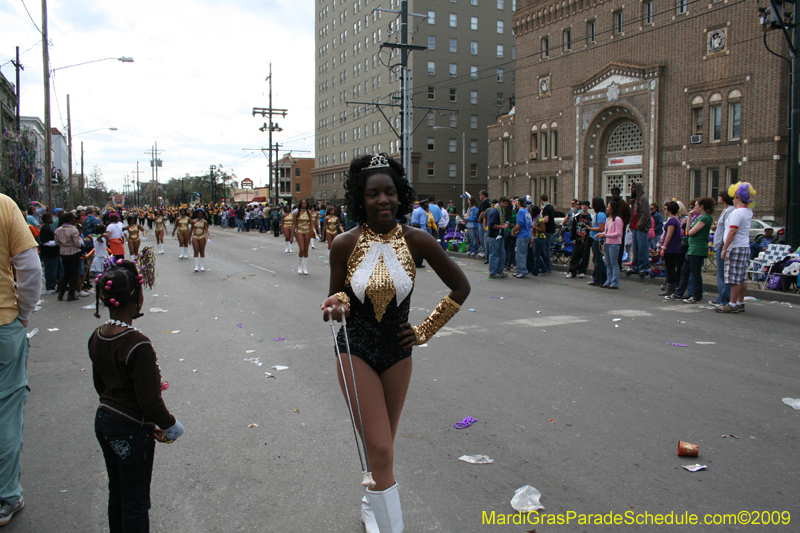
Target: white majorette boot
{"points": [[386, 506], [368, 515], [290, 248], [305, 265], [133, 258], [196, 264], [312, 244], [299, 265], [202, 264]]}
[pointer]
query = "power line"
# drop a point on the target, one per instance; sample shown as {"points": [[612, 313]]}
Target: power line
{"points": [[30, 17]]}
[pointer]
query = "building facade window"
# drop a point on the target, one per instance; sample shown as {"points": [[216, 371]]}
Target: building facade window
{"points": [[473, 146], [500, 50], [453, 70], [713, 182], [473, 170], [431, 144], [553, 143], [567, 38], [715, 112], [501, 25], [591, 31], [698, 118], [453, 145], [431, 118], [506, 149], [734, 121], [534, 147], [453, 120], [545, 47], [453, 20], [431, 93], [473, 122], [543, 143], [473, 48], [500, 75], [473, 72], [683, 7], [731, 176], [452, 170], [473, 96], [619, 21], [431, 42], [453, 94], [431, 169], [473, 23], [432, 17], [647, 12], [696, 183], [454, 45], [500, 4]]}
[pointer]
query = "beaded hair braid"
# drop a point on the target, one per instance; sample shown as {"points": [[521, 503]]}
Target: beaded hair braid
{"points": [[120, 284]]}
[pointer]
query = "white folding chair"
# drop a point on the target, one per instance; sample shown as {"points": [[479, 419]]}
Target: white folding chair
{"points": [[761, 267]]}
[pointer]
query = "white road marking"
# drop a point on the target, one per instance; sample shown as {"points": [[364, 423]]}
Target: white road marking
{"points": [[550, 321], [630, 313], [262, 268]]}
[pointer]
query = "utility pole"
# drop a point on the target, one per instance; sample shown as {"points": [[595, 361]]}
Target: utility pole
{"points": [[69, 143], [155, 162], [211, 177], [137, 183], [83, 178], [48, 140], [405, 84], [268, 112], [18, 67]]}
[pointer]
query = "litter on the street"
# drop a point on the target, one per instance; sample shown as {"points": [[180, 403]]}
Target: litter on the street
{"points": [[33, 332], [794, 403], [616, 320], [156, 310], [526, 500], [269, 375], [250, 351], [280, 367], [87, 307], [705, 342], [676, 344], [687, 449], [729, 436], [52, 329], [280, 339], [464, 424], [476, 459], [252, 425], [695, 468], [255, 360]]}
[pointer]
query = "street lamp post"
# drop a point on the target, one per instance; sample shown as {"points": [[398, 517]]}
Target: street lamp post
{"points": [[463, 165]]}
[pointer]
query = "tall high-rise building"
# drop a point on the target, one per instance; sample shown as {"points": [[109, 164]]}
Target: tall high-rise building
{"points": [[460, 83]]}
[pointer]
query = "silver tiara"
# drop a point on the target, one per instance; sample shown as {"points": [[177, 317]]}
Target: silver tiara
{"points": [[378, 161]]}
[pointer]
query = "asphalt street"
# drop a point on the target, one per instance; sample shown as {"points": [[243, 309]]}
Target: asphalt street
{"points": [[579, 392]]}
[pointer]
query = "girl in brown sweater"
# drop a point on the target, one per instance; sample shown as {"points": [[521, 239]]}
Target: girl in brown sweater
{"points": [[128, 379]]}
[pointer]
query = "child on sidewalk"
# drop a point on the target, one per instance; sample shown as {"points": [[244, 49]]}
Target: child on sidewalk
{"points": [[128, 379]]}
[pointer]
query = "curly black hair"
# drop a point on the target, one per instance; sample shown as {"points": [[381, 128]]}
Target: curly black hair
{"points": [[125, 286], [357, 178]]}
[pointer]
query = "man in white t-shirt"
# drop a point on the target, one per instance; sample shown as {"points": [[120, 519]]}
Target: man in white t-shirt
{"points": [[736, 249]]}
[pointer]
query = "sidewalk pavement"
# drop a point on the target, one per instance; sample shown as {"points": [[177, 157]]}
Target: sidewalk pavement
{"points": [[709, 282]]}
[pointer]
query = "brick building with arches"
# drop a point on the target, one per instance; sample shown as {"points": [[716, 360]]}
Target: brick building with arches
{"points": [[679, 94]]}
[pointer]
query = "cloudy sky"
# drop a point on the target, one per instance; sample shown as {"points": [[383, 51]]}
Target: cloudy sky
{"points": [[199, 69]]}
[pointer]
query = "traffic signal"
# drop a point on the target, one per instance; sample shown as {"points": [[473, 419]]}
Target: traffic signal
{"points": [[771, 16]]}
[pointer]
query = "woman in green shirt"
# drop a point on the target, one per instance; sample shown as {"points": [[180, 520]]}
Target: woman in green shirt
{"points": [[691, 273]]}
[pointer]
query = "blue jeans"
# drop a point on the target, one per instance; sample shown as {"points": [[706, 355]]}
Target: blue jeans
{"points": [[546, 253], [239, 225], [51, 268], [612, 265], [641, 251], [128, 451], [13, 374], [691, 277], [652, 242], [482, 236], [497, 256], [539, 244], [522, 255], [723, 289], [599, 275], [474, 242]]}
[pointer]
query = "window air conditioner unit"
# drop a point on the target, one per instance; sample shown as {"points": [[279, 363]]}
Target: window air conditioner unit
{"points": [[696, 139]]}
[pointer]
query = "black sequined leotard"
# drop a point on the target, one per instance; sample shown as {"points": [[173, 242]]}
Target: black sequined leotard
{"points": [[379, 283]]}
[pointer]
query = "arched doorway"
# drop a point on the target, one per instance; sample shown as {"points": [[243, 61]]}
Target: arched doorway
{"points": [[622, 161]]}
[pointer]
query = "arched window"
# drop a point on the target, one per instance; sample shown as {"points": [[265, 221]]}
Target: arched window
{"points": [[543, 141], [534, 154], [697, 115], [506, 148], [627, 137], [554, 140]]}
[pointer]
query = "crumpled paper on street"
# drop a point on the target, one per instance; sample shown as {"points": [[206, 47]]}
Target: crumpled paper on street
{"points": [[157, 310], [794, 403], [526, 500], [476, 459]]}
